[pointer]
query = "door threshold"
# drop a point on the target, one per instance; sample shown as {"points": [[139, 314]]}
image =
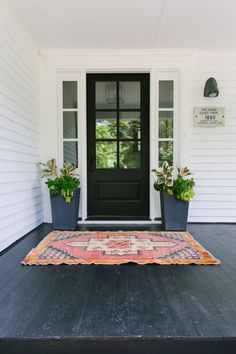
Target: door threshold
{"points": [[119, 222], [117, 218]]}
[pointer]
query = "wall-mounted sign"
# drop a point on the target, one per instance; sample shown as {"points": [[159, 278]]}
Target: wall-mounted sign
{"points": [[209, 116]]}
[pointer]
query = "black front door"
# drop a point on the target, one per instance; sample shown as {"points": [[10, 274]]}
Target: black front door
{"points": [[118, 146]]}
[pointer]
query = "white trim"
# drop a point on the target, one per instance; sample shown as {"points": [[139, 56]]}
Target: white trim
{"points": [[153, 141], [69, 76], [70, 109], [118, 222], [80, 77], [60, 78], [172, 75]]}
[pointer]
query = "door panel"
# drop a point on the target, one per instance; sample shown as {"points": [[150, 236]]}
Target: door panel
{"points": [[111, 190], [118, 146]]}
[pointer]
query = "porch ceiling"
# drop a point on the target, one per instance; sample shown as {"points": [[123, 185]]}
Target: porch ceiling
{"points": [[109, 24]]}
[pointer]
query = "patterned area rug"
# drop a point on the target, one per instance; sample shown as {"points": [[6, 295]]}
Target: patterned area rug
{"points": [[109, 247]]}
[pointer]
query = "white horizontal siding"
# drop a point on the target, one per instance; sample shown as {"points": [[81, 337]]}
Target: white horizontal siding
{"points": [[212, 152], [21, 203]]}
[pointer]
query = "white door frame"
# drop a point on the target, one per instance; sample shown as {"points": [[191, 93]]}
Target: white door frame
{"points": [[80, 77]]}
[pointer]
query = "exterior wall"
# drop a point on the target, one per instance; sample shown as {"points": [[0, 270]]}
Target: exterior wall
{"points": [[21, 207], [29, 117], [209, 152], [73, 65], [212, 153]]}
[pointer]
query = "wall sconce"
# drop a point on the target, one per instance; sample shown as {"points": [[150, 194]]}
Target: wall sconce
{"points": [[211, 88]]}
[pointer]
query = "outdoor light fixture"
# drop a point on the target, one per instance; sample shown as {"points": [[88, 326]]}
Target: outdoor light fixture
{"points": [[211, 88]]}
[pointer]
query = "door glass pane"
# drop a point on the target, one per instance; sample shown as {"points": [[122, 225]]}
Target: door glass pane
{"points": [[165, 152], [71, 152], [69, 125], [105, 95], [130, 127], [106, 154], [166, 124], [69, 94], [106, 125], [130, 154], [129, 95], [166, 90]]}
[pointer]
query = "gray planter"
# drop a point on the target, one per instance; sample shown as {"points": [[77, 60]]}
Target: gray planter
{"points": [[65, 215], [174, 212]]}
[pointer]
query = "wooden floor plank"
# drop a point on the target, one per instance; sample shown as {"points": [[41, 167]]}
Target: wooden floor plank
{"points": [[127, 301]]}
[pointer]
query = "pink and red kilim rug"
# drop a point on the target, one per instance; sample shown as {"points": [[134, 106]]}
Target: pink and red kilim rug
{"points": [[142, 247]]}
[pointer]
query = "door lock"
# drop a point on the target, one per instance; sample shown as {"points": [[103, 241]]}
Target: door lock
{"points": [[90, 158]]}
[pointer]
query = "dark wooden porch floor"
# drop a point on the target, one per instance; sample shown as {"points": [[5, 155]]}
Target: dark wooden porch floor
{"points": [[120, 309]]}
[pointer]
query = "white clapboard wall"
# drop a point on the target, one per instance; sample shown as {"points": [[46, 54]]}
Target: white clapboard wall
{"points": [[20, 186], [213, 150]]}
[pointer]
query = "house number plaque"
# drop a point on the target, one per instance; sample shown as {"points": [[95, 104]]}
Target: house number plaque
{"points": [[209, 116]]}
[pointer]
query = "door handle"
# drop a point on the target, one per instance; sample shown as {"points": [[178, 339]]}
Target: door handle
{"points": [[90, 158]]}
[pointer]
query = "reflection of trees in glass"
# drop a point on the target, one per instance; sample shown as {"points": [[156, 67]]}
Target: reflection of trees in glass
{"points": [[129, 128], [165, 128], [106, 128], [129, 154], [166, 152], [106, 154], [106, 150], [166, 132]]}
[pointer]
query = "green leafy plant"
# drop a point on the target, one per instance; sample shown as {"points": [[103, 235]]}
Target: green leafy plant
{"points": [[163, 176], [49, 168], [64, 181], [181, 187]]}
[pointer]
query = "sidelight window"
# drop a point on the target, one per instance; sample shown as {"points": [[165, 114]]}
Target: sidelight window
{"points": [[166, 122], [70, 121]]}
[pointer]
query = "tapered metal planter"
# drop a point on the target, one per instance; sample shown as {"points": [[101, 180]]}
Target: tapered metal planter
{"points": [[65, 215], [174, 212]]}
